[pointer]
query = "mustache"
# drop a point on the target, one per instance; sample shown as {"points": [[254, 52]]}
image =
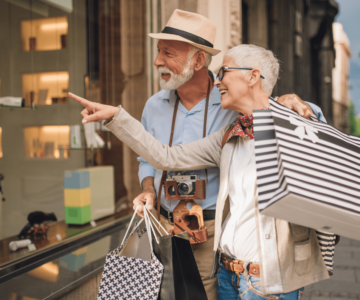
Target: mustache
{"points": [[164, 70]]}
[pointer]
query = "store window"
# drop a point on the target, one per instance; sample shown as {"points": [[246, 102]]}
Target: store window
{"points": [[1, 151], [47, 141], [45, 88], [44, 34]]}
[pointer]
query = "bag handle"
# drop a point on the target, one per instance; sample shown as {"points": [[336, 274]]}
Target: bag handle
{"points": [[154, 220], [136, 226], [149, 229]]}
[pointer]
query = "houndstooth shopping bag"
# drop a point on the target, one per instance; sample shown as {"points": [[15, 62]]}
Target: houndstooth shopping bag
{"points": [[308, 172], [131, 278]]}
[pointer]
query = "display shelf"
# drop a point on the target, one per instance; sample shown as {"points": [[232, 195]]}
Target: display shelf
{"points": [[44, 34], [45, 88], [106, 148], [26, 107], [45, 141]]}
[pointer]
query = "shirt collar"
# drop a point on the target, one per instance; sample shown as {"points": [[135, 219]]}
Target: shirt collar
{"points": [[170, 95]]}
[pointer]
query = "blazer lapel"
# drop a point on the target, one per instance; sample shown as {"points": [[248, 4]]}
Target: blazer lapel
{"points": [[225, 164]]}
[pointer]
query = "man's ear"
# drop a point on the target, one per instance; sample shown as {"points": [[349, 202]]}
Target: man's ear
{"points": [[200, 58], [254, 76]]}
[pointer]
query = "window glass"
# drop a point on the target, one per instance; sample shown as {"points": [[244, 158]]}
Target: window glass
{"points": [[44, 34], [45, 88], [47, 141]]}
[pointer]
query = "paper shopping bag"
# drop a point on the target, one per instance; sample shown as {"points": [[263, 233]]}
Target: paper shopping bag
{"points": [[308, 172], [128, 277], [181, 279]]}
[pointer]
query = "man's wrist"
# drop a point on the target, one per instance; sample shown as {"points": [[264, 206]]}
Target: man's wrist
{"points": [[148, 184]]}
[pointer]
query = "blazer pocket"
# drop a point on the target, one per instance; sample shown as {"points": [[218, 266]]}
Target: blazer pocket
{"points": [[299, 233], [302, 255]]}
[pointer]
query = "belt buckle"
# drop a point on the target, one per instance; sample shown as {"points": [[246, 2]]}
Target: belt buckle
{"points": [[170, 218]]}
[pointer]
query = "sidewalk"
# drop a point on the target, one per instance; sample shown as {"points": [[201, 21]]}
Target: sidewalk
{"points": [[345, 283]]}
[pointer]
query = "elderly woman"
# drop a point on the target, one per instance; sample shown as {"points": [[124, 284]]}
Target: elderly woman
{"points": [[255, 256]]}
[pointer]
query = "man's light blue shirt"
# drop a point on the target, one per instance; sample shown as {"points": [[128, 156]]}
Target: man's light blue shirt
{"points": [[157, 119]]}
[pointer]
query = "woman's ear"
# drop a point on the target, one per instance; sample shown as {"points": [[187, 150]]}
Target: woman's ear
{"points": [[200, 58], [254, 76]]}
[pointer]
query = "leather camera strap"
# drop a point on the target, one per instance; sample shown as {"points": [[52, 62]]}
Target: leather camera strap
{"points": [[170, 144], [172, 134]]}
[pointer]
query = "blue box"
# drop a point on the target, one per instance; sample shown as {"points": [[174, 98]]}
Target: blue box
{"points": [[72, 261], [76, 179]]}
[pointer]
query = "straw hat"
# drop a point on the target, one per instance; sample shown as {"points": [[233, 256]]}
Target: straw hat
{"points": [[191, 28]]}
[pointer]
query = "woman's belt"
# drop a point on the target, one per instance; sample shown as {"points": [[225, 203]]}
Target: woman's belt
{"points": [[237, 266], [208, 214]]}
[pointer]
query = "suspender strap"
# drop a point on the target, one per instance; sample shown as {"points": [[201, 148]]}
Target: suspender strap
{"points": [[163, 177]]}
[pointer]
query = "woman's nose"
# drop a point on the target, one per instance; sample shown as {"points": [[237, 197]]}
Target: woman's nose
{"points": [[217, 82]]}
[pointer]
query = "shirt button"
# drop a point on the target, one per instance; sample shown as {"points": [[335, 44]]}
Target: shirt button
{"points": [[267, 236]]}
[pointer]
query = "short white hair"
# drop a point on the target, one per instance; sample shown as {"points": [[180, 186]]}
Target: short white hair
{"points": [[255, 57], [208, 57]]}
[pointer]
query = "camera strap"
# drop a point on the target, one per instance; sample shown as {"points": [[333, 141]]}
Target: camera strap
{"points": [[163, 177]]}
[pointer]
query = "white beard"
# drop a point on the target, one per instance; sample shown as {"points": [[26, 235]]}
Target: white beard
{"points": [[176, 80]]}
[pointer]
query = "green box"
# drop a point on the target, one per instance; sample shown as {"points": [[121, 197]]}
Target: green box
{"points": [[77, 215]]}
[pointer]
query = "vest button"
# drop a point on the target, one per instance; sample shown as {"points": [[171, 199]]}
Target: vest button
{"points": [[267, 236]]}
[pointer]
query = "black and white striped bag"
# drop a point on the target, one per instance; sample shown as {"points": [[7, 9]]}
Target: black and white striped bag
{"points": [[308, 172]]}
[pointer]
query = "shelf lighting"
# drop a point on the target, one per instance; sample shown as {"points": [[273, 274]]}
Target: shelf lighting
{"points": [[56, 129], [54, 26], [55, 77]]}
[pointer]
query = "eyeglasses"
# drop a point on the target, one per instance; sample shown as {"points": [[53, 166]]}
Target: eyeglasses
{"points": [[222, 71]]}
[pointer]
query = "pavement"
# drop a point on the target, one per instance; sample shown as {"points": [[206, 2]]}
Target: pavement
{"points": [[345, 283]]}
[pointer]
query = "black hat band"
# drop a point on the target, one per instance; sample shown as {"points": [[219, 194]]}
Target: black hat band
{"points": [[189, 36]]}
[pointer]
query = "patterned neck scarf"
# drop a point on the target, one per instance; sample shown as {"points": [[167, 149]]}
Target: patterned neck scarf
{"points": [[243, 127]]}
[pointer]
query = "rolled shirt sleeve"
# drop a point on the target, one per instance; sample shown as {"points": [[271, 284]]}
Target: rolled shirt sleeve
{"points": [[317, 111], [145, 169]]}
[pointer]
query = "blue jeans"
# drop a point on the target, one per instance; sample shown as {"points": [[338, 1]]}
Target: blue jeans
{"points": [[245, 287]]}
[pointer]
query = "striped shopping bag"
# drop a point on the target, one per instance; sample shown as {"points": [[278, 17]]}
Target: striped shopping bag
{"points": [[308, 172]]}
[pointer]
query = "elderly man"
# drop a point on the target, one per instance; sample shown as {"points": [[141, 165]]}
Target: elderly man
{"points": [[185, 49]]}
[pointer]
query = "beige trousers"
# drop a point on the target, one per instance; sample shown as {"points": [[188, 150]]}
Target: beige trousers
{"points": [[204, 257]]}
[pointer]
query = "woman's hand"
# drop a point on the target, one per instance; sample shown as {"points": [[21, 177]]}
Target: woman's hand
{"points": [[293, 102], [94, 112]]}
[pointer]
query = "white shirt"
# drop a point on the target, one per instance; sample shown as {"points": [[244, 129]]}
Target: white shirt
{"points": [[239, 235]]}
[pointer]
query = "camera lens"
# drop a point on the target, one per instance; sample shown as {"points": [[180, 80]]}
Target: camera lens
{"points": [[184, 188]]}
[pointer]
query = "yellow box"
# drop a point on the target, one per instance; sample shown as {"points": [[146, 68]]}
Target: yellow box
{"points": [[77, 198]]}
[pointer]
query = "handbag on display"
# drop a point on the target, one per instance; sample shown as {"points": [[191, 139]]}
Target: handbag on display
{"points": [[308, 172], [181, 280], [129, 277]]}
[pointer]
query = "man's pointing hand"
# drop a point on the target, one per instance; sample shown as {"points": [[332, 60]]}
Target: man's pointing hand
{"points": [[94, 112]]}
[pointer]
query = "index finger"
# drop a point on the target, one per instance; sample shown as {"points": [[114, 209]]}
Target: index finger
{"points": [[82, 101]]}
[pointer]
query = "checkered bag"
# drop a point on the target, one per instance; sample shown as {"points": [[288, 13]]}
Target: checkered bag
{"points": [[126, 278]]}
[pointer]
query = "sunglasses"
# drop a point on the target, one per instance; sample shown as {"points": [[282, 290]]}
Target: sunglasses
{"points": [[222, 71]]}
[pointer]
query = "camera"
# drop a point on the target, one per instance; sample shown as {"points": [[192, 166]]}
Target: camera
{"points": [[184, 187]]}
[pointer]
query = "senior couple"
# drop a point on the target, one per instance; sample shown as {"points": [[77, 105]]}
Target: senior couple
{"points": [[252, 255]]}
